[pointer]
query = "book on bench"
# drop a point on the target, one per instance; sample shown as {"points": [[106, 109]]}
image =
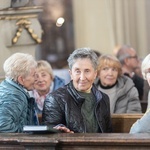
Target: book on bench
{"points": [[40, 129]]}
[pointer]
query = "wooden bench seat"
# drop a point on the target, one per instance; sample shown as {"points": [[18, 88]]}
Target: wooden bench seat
{"points": [[122, 122]]}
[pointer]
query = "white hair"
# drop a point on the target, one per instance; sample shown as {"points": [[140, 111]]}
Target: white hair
{"points": [[19, 64], [145, 65]]}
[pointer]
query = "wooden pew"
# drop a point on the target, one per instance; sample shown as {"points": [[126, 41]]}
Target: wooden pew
{"points": [[76, 141], [122, 122], [120, 140]]}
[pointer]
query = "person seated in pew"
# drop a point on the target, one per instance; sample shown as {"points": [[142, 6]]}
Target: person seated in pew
{"points": [[142, 124], [127, 56], [79, 107], [121, 90], [16, 106], [45, 83]]}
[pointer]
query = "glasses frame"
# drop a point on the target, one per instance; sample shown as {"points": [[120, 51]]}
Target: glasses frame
{"points": [[134, 57]]}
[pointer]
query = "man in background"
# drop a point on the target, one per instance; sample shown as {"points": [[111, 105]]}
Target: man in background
{"points": [[129, 60]]}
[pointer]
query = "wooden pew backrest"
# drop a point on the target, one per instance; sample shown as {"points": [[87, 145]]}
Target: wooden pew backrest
{"points": [[122, 122]]}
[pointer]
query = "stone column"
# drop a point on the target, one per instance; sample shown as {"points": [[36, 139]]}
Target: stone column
{"points": [[20, 31]]}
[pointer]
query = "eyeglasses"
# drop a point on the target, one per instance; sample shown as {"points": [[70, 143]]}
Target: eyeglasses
{"points": [[134, 57]]}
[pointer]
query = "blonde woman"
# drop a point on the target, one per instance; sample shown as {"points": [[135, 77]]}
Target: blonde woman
{"points": [[121, 90], [45, 83]]}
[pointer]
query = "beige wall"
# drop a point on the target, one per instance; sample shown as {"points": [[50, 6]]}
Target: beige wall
{"points": [[102, 24], [91, 25]]}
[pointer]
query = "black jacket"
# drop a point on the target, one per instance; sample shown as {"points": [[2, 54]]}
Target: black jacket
{"points": [[63, 106]]}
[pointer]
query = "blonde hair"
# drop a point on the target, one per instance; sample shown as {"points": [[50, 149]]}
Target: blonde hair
{"points": [[45, 66], [19, 64], [110, 61]]}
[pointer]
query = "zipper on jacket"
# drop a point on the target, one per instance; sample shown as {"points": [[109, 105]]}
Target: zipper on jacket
{"points": [[83, 123], [97, 118], [82, 118]]}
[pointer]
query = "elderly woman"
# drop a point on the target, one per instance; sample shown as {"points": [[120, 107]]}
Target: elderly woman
{"points": [[142, 125], [16, 106], [45, 83], [121, 90], [79, 106]]}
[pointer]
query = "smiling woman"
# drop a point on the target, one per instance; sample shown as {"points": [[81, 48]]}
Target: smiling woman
{"points": [[79, 106], [83, 77], [121, 90], [45, 83]]}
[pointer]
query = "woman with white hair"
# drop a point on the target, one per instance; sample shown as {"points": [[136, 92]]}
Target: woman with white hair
{"points": [[16, 106], [142, 124]]}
